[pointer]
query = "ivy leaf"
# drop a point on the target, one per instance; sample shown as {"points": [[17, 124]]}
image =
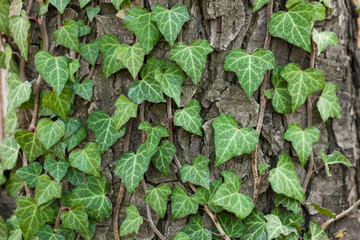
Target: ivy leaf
{"points": [[262, 168], [195, 229], [284, 180], [259, 4], [108, 45], [67, 35], [4, 230], [328, 104], [119, 4], [171, 81], [19, 92], [10, 122], [170, 21], [60, 4], [157, 198], [82, 28], [91, 193], [75, 139], [146, 90], [2, 177], [323, 210], [46, 190], [204, 195], [73, 67], [30, 173], [289, 203], [87, 160], [90, 52], [46, 232], [232, 226], [31, 144], [182, 204], [50, 132], [281, 98], [13, 184], [319, 12], [163, 157], [327, 3], [189, 117], [227, 196], [131, 167], [76, 219], [149, 69], [132, 221], [181, 236], [154, 135], [83, 3], [132, 57], [84, 89], [104, 128], [4, 12], [57, 169], [302, 141], [19, 27], [191, 58], [91, 12], [317, 232], [15, 8], [54, 70], [15, 232], [60, 104], [231, 141], [250, 69], [125, 109], [275, 228], [71, 126], [336, 157], [302, 84], [74, 176], [9, 151], [324, 39], [138, 20], [197, 174]]}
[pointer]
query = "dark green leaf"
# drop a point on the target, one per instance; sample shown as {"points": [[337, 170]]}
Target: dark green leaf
{"points": [[74, 176], [84, 89], [281, 99], [50, 132], [108, 45], [289, 203], [31, 144], [30, 173], [75, 139], [76, 219], [57, 169], [92, 12], [71, 126], [157, 198], [232, 226], [90, 52], [60, 4], [46, 190], [255, 226], [163, 157], [67, 35], [83, 3], [46, 233], [197, 174], [147, 89], [154, 135], [83, 29], [204, 195], [195, 229], [19, 92], [60, 104], [13, 184], [4, 230]]}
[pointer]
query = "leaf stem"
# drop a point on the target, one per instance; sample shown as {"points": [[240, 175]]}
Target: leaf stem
{"points": [[341, 215], [25, 163]]}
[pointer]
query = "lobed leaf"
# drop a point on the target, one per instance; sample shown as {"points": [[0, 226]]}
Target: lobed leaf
{"points": [[182, 204], [189, 117], [317, 232], [132, 221], [90, 52], [281, 98], [9, 151], [50, 132], [91, 12], [19, 92], [204, 195], [275, 228], [328, 103], [154, 135], [197, 174], [334, 158], [147, 89], [108, 45], [30, 173], [87, 160], [46, 190], [232, 226], [46, 232], [195, 229], [19, 26], [287, 202], [132, 57], [157, 198], [163, 157], [84, 89], [67, 35], [76, 219], [60, 104], [57, 169], [31, 144], [125, 109]]}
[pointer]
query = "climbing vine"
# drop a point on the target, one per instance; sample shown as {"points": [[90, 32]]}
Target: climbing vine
{"points": [[60, 190]]}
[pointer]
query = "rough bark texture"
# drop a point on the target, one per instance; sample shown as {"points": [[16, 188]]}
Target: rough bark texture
{"points": [[219, 92]]}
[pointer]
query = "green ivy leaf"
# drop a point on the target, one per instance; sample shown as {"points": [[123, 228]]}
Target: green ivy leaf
{"points": [[87, 160], [15, 8], [284, 179], [147, 89], [281, 98], [327, 3], [104, 128], [154, 135], [163, 157], [2, 177], [75, 139], [76, 219], [231, 141], [182, 204], [108, 45], [323, 210], [317, 232], [319, 12], [83, 3], [71, 126], [10, 122], [9, 151], [170, 21], [83, 29], [43, 111], [302, 84], [91, 12], [43, 8], [91, 193], [15, 232], [4, 12], [31, 144], [336, 157], [138, 20], [195, 229], [67, 35], [249, 68], [117, 4], [132, 221], [84, 89], [197, 174], [232, 226], [324, 39], [90, 52], [275, 227], [47, 233], [259, 4], [125, 109], [4, 230], [13, 184], [74, 176], [50, 132], [302, 141], [54, 70], [46, 190], [227, 196], [149, 69], [30, 173], [289, 203], [181, 236], [60, 104], [157, 198], [204, 195], [191, 59], [328, 103], [19, 92], [132, 57], [19, 27], [60, 4], [262, 168], [189, 117], [57, 169]]}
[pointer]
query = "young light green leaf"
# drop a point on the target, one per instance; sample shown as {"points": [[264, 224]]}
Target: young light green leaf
{"points": [[83, 3], [189, 117], [13, 184], [91, 12], [324, 39], [125, 109], [117, 4], [15, 8], [275, 228], [259, 4], [90, 52], [328, 103], [50, 132], [74, 176], [262, 168], [54, 70], [319, 12], [147, 89], [191, 59], [231, 141], [10, 122], [289, 203], [204, 195], [132, 221], [195, 229], [43, 8], [104, 128], [47, 233], [31, 144], [228, 196], [327, 3], [83, 29], [284, 179], [249, 69], [57, 169], [4, 12], [255, 226], [197, 174], [302, 141], [46, 190], [181, 236], [182, 204], [232, 226], [75, 139], [138, 20], [30, 173], [9, 151], [19, 27], [4, 230], [334, 158], [91, 193], [154, 135], [67, 35], [281, 98], [163, 157], [317, 232], [15, 232], [19, 92], [87, 160], [60, 104], [73, 67], [302, 84], [60, 4], [108, 45], [76, 219], [170, 21], [84, 89], [157, 198], [132, 57], [322, 210]]}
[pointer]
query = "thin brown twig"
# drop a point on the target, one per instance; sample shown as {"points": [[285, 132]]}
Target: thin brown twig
{"points": [[341, 215], [316, 170], [25, 163], [29, 7]]}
